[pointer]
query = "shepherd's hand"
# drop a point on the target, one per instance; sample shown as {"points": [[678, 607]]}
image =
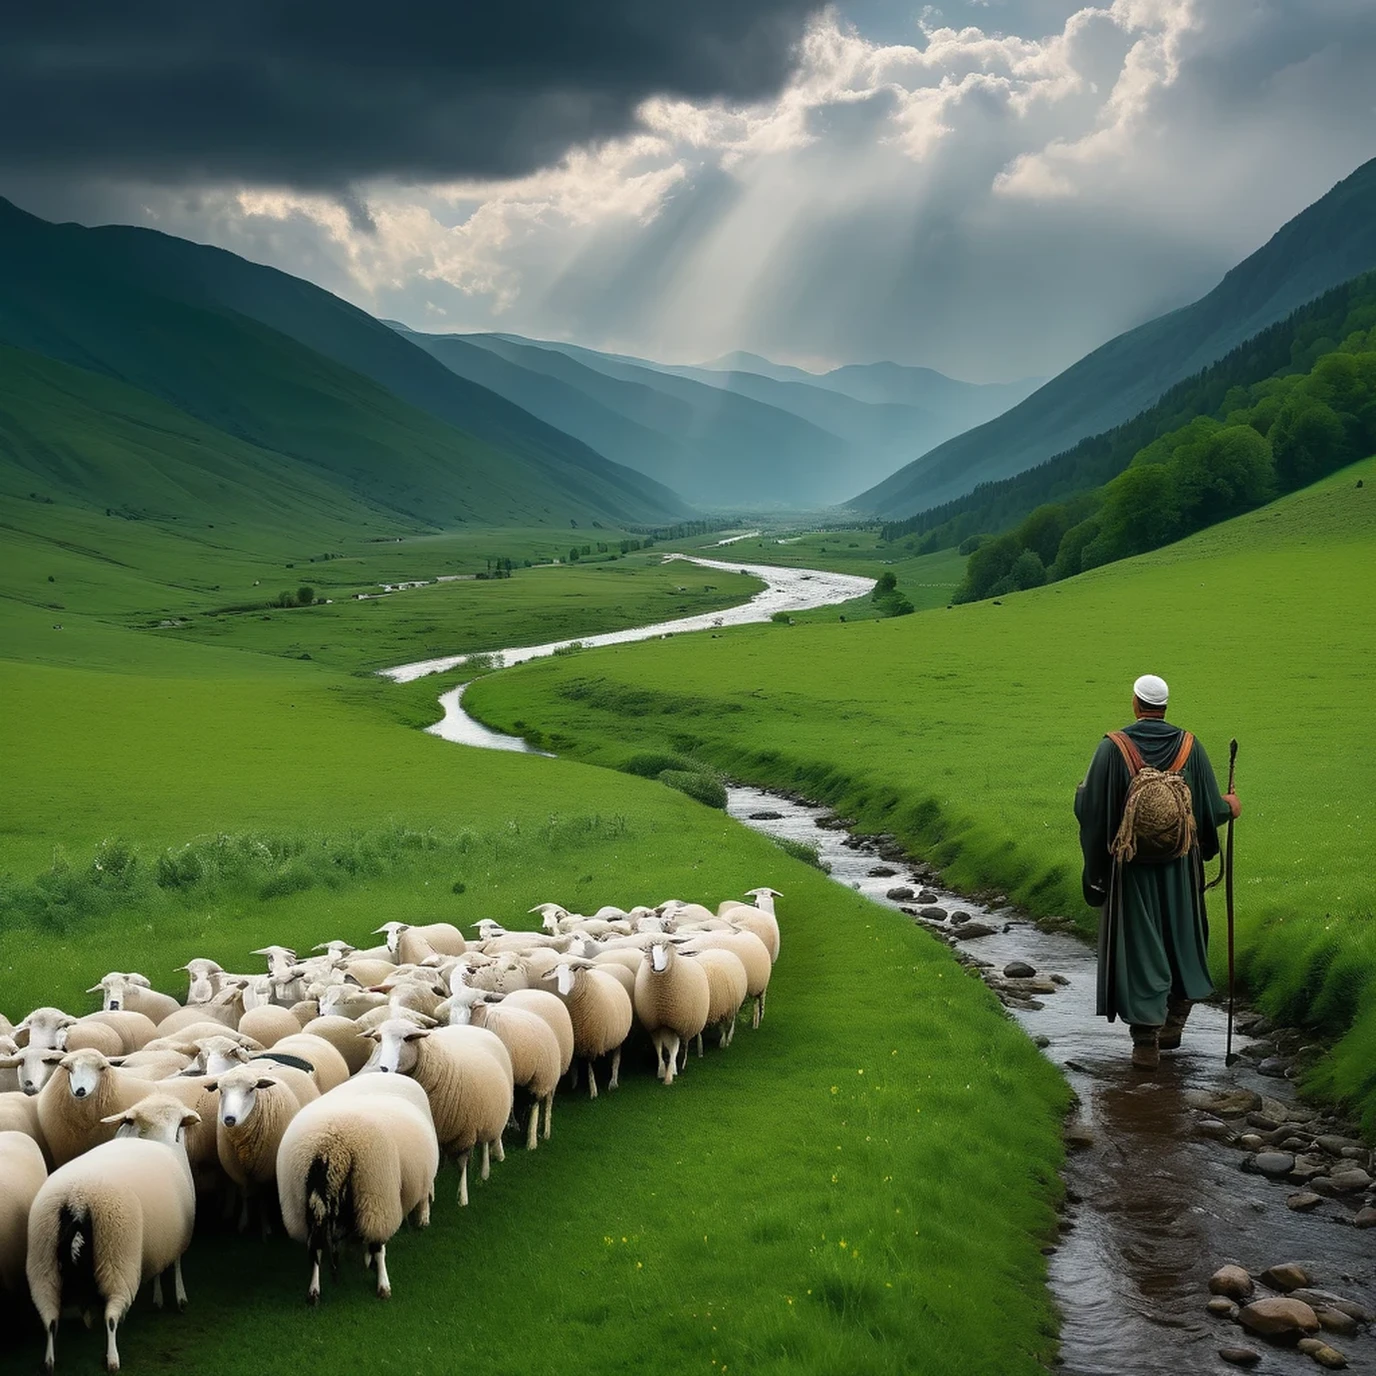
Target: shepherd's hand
{"points": [[1232, 801]]}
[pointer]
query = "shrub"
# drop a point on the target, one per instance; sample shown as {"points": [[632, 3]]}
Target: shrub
{"points": [[650, 764], [305, 595], [1028, 571], [705, 788], [972, 543], [800, 850]]}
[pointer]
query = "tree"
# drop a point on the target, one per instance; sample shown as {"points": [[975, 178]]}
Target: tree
{"points": [[1141, 511], [1028, 571], [885, 584], [573, 554], [1073, 543], [1043, 530], [1308, 440], [1229, 473], [305, 595]]}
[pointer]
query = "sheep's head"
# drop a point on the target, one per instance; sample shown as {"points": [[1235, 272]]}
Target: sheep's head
{"points": [[114, 989], [661, 955], [33, 1064], [280, 959], [488, 929], [44, 1028], [397, 1045], [583, 945], [335, 950], [764, 891], [205, 980], [217, 1055], [238, 1089], [158, 1118], [86, 1072], [564, 976], [393, 931], [458, 1007]]}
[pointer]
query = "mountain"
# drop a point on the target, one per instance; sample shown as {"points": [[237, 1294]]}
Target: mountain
{"points": [[1330, 242], [285, 365], [715, 447]]}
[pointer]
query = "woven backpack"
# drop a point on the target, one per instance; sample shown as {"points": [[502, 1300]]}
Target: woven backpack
{"points": [[1158, 815]]}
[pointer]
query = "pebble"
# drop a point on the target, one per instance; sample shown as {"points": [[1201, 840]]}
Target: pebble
{"points": [[878, 872], [1309, 1346], [1277, 1067], [1041, 1042], [1330, 1357], [1333, 1144], [932, 914], [1262, 1120], [928, 896], [1289, 1275], [1240, 1356], [1365, 1218], [960, 916], [1304, 1201], [1249, 1141], [1270, 1163], [1350, 1179], [1278, 1317], [1222, 1307], [900, 893], [1078, 1137], [970, 930], [1307, 1167], [1212, 1127], [1062, 980], [1335, 1321], [1326, 1299], [1019, 969], [1233, 1282]]}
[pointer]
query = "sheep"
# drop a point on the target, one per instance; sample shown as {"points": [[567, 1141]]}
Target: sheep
{"points": [[330, 1068], [120, 991], [535, 1056], [82, 1092], [336, 951], [159, 1064], [255, 1106], [183, 1020], [268, 1024], [551, 1008], [135, 1030], [286, 982], [681, 912], [43, 1028], [22, 1173], [122, 1214], [27, 1070], [764, 899], [601, 1013], [304, 1011], [672, 1000], [537, 964], [367, 972], [503, 975], [765, 925], [438, 938], [93, 1036], [349, 1001], [467, 1077], [19, 1113], [343, 1035], [726, 987], [356, 1162], [753, 954], [204, 980]]}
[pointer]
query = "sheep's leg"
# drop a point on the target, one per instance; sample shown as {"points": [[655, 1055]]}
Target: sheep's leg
{"points": [[549, 1112], [672, 1048], [616, 1069], [49, 1356], [499, 1151], [533, 1130], [243, 1213], [659, 1055], [487, 1160], [157, 1291], [573, 1074], [420, 1215], [683, 1053], [384, 1285], [463, 1177], [764, 994], [313, 1289], [111, 1348], [699, 1046], [758, 1013], [178, 1289], [592, 1081]]}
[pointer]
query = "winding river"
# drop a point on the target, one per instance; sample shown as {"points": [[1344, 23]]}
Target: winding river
{"points": [[1156, 1205]]}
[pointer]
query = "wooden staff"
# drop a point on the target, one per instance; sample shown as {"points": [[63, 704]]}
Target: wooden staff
{"points": [[1228, 1057]]}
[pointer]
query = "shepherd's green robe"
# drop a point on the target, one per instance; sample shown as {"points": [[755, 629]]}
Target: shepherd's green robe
{"points": [[1153, 930]]}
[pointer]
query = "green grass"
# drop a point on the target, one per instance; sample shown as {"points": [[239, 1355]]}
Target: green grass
{"points": [[167, 797], [965, 731]]}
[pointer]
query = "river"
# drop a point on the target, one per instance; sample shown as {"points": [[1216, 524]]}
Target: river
{"points": [[1156, 1205]]}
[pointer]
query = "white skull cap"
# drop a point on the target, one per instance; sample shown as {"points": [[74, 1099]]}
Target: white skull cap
{"points": [[1151, 690]]}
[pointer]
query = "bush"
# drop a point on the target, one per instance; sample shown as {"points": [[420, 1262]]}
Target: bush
{"points": [[972, 543], [305, 595], [650, 764], [1028, 571], [705, 788], [800, 850]]}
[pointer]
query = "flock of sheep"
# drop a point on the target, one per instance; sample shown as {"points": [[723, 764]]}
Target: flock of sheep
{"points": [[332, 1087]]}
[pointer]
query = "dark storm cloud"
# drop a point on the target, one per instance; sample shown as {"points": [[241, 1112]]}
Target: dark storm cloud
{"points": [[321, 93]]}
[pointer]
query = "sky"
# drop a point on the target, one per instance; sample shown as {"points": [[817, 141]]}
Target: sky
{"points": [[987, 187]]}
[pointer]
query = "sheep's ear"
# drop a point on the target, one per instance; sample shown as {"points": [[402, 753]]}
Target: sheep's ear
{"points": [[10, 1062], [140, 980], [264, 1083], [118, 1118], [190, 1118], [211, 1087], [371, 1033], [54, 1057], [416, 1035], [96, 989]]}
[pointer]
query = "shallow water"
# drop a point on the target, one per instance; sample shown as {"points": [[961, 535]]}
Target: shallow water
{"points": [[1158, 1208]]}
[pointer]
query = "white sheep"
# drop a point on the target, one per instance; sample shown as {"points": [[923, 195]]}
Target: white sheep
{"points": [[255, 1105], [43, 1028], [181, 1023], [672, 1000], [27, 1069], [268, 1024], [354, 1164], [534, 1052], [22, 1173], [76, 1105], [601, 1013], [752, 953], [466, 1075], [763, 923], [121, 990], [19, 1113], [329, 1067], [342, 1034], [119, 1215], [727, 988], [135, 1030]]}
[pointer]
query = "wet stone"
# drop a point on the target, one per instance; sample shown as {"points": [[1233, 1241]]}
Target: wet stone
{"points": [[960, 916], [1335, 1321], [772, 817], [932, 914], [1019, 969], [1309, 1346], [1304, 1201], [1212, 1127], [1041, 1043], [928, 896], [1222, 1307], [1277, 1067], [1249, 1141], [1060, 979], [1233, 1282], [1293, 1143], [1330, 1357], [1279, 1317], [1225, 1103], [1240, 1356], [1307, 1167], [1365, 1218], [1333, 1144], [970, 930], [899, 894], [1289, 1275], [1270, 1163], [1326, 1299], [878, 872], [1263, 1121], [1350, 1180]]}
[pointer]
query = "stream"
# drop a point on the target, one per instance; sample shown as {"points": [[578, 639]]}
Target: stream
{"points": [[1158, 1199]]}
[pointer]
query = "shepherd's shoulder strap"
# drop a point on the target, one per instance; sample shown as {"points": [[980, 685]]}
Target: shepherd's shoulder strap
{"points": [[1132, 757], [1183, 754]]}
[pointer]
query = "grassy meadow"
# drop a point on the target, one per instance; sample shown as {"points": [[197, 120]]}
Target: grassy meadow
{"points": [[965, 730], [816, 1200]]}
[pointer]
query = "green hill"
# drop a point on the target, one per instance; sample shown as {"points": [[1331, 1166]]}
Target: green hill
{"points": [[123, 303], [965, 731], [1330, 242]]}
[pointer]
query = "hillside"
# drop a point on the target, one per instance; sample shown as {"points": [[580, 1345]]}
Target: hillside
{"points": [[1329, 242], [284, 364]]}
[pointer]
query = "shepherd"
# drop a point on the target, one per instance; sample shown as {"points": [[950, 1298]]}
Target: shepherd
{"points": [[1149, 811]]}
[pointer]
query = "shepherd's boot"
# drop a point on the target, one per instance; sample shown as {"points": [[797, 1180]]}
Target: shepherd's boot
{"points": [[1145, 1052], [1177, 1012]]}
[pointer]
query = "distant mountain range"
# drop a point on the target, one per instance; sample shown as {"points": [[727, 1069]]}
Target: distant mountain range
{"points": [[259, 358], [764, 435], [1330, 242]]}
